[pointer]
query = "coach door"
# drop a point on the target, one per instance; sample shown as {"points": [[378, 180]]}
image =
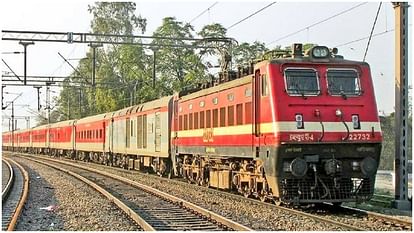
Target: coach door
{"points": [[111, 135], [128, 133], [157, 132], [256, 114], [102, 134], [73, 135]]}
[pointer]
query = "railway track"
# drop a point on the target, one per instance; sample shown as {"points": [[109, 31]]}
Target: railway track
{"points": [[344, 219], [14, 194], [150, 208], [339, 225]]}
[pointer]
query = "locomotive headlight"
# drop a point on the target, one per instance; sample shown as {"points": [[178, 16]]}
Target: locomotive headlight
{"points": [[299, 167], [338, 113], [299, 121], [355, 122], [368, 166], [355, 166], [286, 166], [320, 52]]}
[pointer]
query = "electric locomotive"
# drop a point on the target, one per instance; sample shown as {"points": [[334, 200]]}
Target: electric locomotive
{"points": [[294, 129]]}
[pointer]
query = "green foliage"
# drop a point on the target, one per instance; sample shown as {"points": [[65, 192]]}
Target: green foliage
{"points": [[116, 18], [209, 31], [246, 53], [177, 68], [120, 70]]}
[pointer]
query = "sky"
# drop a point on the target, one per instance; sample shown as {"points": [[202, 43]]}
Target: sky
{"points": [[268, 26]]}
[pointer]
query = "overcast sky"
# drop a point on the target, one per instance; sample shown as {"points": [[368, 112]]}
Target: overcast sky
{"points": [[277, 21]]}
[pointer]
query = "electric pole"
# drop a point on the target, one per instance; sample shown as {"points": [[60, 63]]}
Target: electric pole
{"points": [[401, 106], [38, 97], [12, 119], [25, 44]]}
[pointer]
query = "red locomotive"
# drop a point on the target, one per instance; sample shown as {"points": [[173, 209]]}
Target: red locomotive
{"points": [[295, 129]]}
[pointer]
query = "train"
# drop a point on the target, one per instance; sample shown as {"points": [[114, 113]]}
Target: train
{"points": [[296, 128]]}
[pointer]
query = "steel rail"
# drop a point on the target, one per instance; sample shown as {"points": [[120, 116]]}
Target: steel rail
{"points": [[23, 198], [209, 214], [128, 211], [6, 190], [378, 215]]}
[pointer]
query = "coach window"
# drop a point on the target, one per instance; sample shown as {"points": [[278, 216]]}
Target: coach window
{"points": [[301, 82], [185, 122], [222, 117], [190, 121], [100, 133], [230, 113], [265, 85], [239, 114], [208, 119], [202, 120], [343, 82], [196, 120]]}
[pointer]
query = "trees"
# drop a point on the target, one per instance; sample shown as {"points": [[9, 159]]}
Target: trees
{"points": [[245, 52], [177, 68], [119, 68]]}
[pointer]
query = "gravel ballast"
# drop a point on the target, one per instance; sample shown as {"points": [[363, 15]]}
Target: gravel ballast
{"points": [[76, 206]]}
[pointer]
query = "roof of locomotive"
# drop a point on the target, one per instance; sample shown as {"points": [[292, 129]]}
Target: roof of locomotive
{"points": [[221, 87], [305, 59]]}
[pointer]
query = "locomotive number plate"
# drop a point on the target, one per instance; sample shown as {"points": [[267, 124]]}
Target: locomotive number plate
{"points": [[301, 137], [359, 136]]}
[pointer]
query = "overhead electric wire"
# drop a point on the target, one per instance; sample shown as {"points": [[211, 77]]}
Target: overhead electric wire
{"points": [[203, 12], [364, 38], [250, 15], [317, 23], [372, 31]]}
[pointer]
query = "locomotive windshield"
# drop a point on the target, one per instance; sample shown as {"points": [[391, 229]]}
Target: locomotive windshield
{"points": [[301, 82], [343, 82]]}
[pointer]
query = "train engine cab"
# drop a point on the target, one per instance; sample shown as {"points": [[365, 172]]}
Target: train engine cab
{"points": [[327, 134]]}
